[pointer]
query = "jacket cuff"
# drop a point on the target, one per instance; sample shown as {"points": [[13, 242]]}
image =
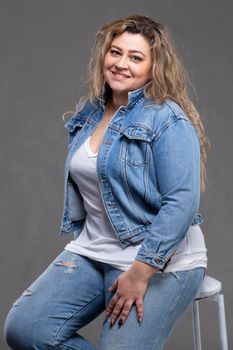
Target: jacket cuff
{"points": [[156, 260]]}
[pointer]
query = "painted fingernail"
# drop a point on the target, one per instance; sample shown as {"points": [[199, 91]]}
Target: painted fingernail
{"points": [[120, 323]]}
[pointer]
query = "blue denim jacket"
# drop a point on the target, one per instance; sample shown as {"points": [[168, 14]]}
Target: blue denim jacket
{"points": [[148, 168]]}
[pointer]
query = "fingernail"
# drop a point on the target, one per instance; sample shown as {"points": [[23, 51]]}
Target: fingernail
{"points": [[120, 323], [140, 319]]}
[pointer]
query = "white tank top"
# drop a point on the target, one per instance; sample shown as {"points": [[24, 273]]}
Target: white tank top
{"points": [[98, 240]]}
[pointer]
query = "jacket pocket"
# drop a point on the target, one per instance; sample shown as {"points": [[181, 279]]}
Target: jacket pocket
{"points": [[135, 146]]}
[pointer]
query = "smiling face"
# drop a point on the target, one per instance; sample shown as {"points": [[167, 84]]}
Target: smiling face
{"points": [[127, 64]]}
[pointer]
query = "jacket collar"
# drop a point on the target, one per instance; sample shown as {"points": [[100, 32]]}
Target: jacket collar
{"points": [[133, 97]]}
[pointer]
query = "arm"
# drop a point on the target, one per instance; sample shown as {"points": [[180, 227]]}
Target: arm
{"points": [[176, 157]]}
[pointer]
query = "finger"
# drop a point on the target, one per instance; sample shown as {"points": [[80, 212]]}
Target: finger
{"points": [[113, 286], [117, 310], [139, 305], [125, 312], [112, 304]]}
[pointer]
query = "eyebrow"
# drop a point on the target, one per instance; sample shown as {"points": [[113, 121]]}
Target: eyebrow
{"points": [[132, 51]]}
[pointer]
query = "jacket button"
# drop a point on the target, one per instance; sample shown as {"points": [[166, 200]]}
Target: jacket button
{"points": [[107, 142], [157, 260]]}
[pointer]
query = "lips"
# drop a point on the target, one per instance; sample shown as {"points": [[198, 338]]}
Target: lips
{"points": [[120, 75]]}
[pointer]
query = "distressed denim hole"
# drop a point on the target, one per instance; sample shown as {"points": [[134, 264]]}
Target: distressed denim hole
{"points": [[70, 264], [16, 303], [26, 293]]}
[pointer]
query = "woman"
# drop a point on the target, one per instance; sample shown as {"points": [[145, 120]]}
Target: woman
{"points": [[133, 174]]}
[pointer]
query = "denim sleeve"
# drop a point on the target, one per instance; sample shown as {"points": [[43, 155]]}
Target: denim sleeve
{"points": [[176, 156]]}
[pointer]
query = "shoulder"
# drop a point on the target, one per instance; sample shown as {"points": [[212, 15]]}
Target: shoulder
{"points": [[163, 111], [83, 111], [158, 116]]}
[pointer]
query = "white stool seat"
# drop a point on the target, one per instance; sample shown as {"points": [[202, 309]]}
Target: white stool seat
{"points": [[210, 286], [210, 289]]}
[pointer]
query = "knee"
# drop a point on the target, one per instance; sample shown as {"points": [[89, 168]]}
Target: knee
{"points": [[13, 331], [23, 333]]}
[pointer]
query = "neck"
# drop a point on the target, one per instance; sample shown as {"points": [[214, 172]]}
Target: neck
{"points": [[119, 100]]}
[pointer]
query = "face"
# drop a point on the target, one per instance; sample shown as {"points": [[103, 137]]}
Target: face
{"points": [[127, 64]]}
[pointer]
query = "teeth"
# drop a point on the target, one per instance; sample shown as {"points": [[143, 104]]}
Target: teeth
{"points": [[120, 75]]}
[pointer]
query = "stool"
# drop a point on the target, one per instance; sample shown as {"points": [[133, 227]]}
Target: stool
{"points": [[210, 289]]}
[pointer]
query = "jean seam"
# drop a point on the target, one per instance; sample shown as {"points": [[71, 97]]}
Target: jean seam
{"points": [[174, 304], [60, 346], [53, 343]]}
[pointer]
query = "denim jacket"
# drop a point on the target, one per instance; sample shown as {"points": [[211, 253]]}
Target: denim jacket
{"points": [[148, 168]]}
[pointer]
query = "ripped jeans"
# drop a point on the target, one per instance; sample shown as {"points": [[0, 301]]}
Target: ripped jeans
{"points": [[72, 292]]}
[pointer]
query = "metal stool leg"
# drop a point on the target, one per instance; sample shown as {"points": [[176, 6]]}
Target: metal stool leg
{"points": [[222, 321], [196, 325]]}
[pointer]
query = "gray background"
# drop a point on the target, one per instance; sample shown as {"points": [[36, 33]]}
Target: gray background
{"points": [[45, 46]]}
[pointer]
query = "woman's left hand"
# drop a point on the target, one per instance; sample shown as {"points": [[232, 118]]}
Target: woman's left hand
{"points": [[130, 289]]}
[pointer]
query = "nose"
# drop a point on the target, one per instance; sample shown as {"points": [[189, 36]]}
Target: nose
{"points": [[121, 63]]}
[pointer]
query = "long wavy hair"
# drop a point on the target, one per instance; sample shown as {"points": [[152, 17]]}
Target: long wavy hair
{"points": [[169, 79]]}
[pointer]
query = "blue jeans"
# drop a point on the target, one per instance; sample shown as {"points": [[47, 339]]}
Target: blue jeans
{"points": [[72, 292]]}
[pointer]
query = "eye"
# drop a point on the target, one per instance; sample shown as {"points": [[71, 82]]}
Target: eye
{"points": [[136, 58], [114, 52]]}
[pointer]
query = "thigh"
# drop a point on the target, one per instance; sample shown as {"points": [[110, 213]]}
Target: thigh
{"points": [[67, 296], [168, 296]]}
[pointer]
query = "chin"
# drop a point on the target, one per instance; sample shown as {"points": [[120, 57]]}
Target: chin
{"points": [[118, 89]]}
